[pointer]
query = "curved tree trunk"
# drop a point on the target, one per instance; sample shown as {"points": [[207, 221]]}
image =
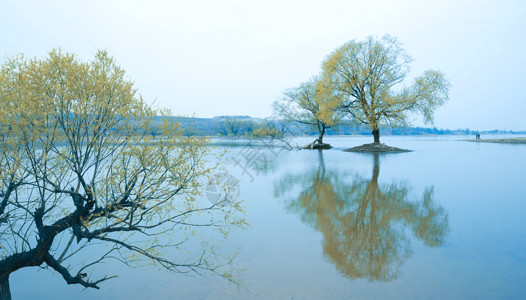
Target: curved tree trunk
{"points": [[376, 135], [5, 292]]}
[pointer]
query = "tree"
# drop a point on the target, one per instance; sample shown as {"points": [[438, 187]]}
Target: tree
{"points": [[231, 127], [276, 131], [364, 223], [248, 127], [79, 168], [313, 103], [272, 129], [369, 74]]}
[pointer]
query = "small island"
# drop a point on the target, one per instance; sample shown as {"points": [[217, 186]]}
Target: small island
{"points": [[376, 148]]}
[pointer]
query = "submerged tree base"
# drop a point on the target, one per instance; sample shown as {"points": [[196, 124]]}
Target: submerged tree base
{"points": [[376, 148], [315, 145]]}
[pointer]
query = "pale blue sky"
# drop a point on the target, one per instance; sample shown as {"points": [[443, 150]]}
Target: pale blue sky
{"points": [[208, 58]]}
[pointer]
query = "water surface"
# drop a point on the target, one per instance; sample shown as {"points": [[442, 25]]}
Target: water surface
{"points": [[444, 221]]}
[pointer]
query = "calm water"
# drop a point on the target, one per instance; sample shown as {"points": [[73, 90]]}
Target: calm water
{"points": [[443, 222]]}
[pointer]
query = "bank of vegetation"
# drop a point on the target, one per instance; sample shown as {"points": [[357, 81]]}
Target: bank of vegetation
{"points": [[248, 127]]}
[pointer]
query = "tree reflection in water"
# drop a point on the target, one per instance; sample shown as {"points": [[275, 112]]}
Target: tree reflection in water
{"points": [[364, 224]]}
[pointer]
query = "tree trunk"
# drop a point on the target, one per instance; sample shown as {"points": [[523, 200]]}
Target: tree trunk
{"points": [[320, 137], [376, 135], [5, 292]]}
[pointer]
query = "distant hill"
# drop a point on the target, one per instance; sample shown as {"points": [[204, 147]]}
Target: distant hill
{"points": [[232, 117]]}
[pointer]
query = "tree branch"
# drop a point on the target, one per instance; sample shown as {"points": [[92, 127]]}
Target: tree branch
{"points": [[77, 279]]}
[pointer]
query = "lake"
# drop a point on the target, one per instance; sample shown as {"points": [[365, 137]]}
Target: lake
{"points": [[445, 221]]}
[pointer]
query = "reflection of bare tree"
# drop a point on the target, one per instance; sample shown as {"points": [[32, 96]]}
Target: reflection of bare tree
{"points": [[363, 223]]}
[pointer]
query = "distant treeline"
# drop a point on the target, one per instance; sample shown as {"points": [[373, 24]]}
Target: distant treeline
{"points": [[245, 126]]}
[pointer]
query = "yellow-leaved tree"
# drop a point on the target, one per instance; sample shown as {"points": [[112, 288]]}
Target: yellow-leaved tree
{"points": [[370, 74], [78, 167], [314, 103]]}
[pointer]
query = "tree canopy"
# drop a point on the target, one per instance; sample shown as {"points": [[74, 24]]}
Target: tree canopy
{"points": [[79, 167], [313, 103], [370, 74]]}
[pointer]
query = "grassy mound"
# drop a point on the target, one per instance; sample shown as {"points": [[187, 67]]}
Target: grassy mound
{"points": [[376, 148]]}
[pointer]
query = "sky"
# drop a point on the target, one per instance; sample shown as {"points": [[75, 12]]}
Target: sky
{"points": [[207, 58]]}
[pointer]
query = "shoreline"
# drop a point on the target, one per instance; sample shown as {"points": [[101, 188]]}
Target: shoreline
{"points": [[518, 140]]}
